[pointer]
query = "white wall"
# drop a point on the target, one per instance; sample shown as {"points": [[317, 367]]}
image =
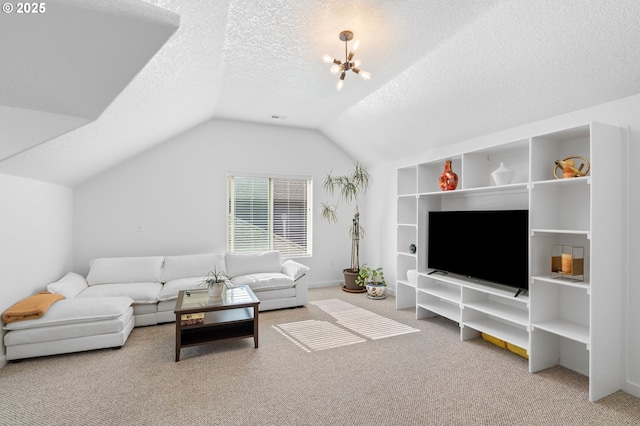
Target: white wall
{"points": [[623, 113], [177, 192], [35, 238]]}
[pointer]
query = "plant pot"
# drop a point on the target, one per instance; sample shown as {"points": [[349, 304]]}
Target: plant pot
{"points": [[215, 290], [376, 291], [350, 285]]}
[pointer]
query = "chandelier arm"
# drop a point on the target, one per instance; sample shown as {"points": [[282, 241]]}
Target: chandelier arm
{"points": [[346, 56]]}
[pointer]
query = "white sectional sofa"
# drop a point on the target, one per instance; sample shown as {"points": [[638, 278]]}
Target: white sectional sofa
{"points": [[120, 293]]}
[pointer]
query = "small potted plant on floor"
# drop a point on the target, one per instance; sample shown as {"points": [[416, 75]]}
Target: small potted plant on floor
{"points": [[215, 281], [373, 280]]}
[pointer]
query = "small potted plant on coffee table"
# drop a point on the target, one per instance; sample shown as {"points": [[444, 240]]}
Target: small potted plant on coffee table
{"points": [[373, 280], [215, 281]]}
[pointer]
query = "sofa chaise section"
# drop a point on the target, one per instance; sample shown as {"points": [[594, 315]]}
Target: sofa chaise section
{"points": [[71, 325]]}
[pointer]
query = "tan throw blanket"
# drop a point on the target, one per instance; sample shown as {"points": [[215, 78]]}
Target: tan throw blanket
{"points": [[32, 307]]}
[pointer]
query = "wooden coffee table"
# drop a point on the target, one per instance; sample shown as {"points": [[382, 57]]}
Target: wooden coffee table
{"points": [[232, 315]]}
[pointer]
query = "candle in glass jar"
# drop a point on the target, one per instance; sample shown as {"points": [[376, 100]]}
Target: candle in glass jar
{"points": [[566, 262]]}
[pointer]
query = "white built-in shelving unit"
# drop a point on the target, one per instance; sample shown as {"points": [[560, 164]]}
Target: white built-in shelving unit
{"points": [[561, 321]]}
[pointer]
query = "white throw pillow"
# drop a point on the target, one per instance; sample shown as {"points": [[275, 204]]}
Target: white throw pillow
{"points": [[250, 263], [69, 286], [294, 269], [110, 270], [192, 265]]}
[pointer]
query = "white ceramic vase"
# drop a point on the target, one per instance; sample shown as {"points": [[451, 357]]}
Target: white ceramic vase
{"points": [[502, 175]]}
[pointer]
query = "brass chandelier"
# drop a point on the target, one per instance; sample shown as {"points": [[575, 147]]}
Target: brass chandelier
{"points": [[349, 63]]}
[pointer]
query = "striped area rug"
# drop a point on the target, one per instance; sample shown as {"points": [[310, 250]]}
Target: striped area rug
{"points": [[314, 335], [362, 321]]}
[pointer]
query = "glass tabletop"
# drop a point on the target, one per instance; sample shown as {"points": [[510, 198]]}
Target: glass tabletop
{"points": [[193, 299]]}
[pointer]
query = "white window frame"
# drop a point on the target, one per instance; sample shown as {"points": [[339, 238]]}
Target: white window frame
{"points": [[270, 241]]}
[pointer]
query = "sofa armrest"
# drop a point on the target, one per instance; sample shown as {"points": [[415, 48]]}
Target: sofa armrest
{"points": [[294, 270]]}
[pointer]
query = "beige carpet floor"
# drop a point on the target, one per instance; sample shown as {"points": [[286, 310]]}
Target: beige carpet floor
{"points": [[428, 377]]}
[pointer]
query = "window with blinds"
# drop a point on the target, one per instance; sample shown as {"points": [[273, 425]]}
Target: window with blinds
{"points": [[269, 213]]}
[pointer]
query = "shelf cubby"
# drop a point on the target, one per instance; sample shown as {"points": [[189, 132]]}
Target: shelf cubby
{"points": [[476, 322], [430, 306], [565, 311], [407, 210], [567, 204], [479, 165], [500, 309], [405, 294], [548, 148], [542, 243], [439, 289], [407, 180], [550, 349], [407, 235], [429, 174]]}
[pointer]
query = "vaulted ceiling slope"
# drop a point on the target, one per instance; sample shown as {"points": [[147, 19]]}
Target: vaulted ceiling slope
{"points": [[442, 72], [65, 61]]}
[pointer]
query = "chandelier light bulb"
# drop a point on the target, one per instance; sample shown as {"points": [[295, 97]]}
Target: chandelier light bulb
{"points": [[326, 58], [365, 75], [340, 83], [355, 45], [335, 69], [357, 63]]}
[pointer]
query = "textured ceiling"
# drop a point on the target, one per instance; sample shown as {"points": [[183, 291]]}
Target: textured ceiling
{"points": [[442, 72]]}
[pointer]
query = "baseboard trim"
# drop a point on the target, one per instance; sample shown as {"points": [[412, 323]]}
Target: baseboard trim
{"points": [[632, 389], [390, 290], [323, 284], [3, 361]]}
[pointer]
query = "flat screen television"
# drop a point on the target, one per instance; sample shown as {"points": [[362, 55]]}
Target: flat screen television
{"points": [[489, 245]]}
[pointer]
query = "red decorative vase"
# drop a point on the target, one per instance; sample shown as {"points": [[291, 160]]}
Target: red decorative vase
{"points": [[448, 179]]}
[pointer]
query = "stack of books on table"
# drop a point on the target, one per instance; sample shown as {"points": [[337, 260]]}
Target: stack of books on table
{"points": [[192, 319]]}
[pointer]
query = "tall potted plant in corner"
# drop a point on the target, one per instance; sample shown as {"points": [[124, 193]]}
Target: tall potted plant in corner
{"points": [[350, 188]]}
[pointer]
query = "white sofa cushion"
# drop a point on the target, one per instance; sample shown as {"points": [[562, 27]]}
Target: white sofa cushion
{"points": [[68, 331], [264, 281], [139, 292], [70, 311], [170, 290], [294, 269], [69, 286], [109, 270], [193, 265], [251, 263]]}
